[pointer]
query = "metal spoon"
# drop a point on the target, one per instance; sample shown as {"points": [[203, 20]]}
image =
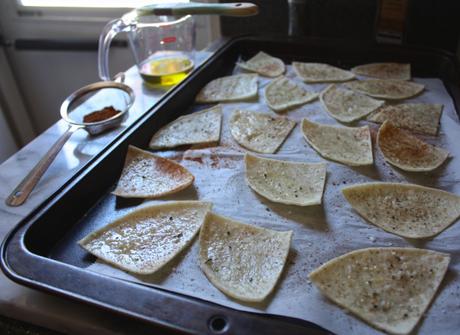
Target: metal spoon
{"points": [[197, 8], [76, 100]]}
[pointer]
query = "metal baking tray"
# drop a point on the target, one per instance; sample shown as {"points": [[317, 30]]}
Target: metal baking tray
{"points": [[41, 251]]}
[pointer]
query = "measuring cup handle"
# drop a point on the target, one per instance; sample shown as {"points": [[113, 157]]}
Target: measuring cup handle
{"points": [[110, 30], [25, 187]]}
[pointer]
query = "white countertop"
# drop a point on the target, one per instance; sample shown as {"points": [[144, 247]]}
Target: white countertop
{"points": [[29, 305]]}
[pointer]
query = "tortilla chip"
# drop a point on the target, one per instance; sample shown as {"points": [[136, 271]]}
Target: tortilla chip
{"points": [[347, 145], [321, 73], [264, 65], [390, 288], [243, 261], [147, 238], [421, 118], [146, 175], [230, 88], [387, 89], [384, 70], [406, 151], [201, 127], [346, 105], [283, 93], [406, 210], [290, 183], [259, 132]]}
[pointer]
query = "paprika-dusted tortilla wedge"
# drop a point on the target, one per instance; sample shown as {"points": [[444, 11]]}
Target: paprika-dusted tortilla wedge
{"points": [[230, 88], [241, 260], [346, 105], [406, 210], [201, 127], [291, 183], [389, 288], [347, 145], [259, 132], [283, 93], [146, 175], [386, 89], [264, 65], [147, 238], [321, 73], [420, 118], [398, 71], [406, 151]]}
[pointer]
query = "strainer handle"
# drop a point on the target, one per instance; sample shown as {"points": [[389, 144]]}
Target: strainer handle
{"points": [[26, 186]]}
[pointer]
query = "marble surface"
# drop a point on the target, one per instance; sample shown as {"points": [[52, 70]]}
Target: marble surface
{"points": [[28, 305]]}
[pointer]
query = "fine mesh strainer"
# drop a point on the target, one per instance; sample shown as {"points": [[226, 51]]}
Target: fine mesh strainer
{"points": [[90, 98]]}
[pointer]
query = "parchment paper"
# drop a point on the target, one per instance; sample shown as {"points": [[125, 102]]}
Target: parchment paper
{"points": [[320, 232]]}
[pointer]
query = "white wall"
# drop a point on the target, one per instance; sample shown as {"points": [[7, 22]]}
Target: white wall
{"points": [[7, 143], [12, 103], [46, 78]]}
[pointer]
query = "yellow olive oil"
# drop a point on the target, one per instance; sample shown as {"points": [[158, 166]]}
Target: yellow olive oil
{"points": [[165, 71]]}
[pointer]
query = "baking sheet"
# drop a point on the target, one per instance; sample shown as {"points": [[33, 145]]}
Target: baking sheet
{"points": [[320, 232]]}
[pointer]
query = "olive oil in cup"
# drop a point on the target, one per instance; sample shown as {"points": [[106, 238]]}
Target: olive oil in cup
{"points": [[165, 71]]}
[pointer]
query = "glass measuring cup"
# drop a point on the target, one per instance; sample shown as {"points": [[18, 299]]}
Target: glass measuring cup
{"points": [[163, 46], [162, 37]]}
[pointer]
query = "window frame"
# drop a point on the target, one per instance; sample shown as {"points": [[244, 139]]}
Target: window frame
{"points": [[18, 22]]}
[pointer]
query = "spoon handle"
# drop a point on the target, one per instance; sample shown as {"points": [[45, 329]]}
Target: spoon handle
{"points": [[25, 187], [195, 8]]}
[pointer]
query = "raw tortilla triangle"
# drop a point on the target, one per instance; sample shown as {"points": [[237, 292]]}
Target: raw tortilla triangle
{"points": [[264, 65], [347, 145], [406, 210], [346, 105], [148, 238], [421, 118], [390, 288], [384, 70], [243, 261], [406, 151], [230, 88], [321, 73], [387, 89], [197, 128], [283, 93], [291, 183], [259, 132], [146, 175]]}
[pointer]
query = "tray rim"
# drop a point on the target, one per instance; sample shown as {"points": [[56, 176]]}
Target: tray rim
{"points": [[16, 235]]}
